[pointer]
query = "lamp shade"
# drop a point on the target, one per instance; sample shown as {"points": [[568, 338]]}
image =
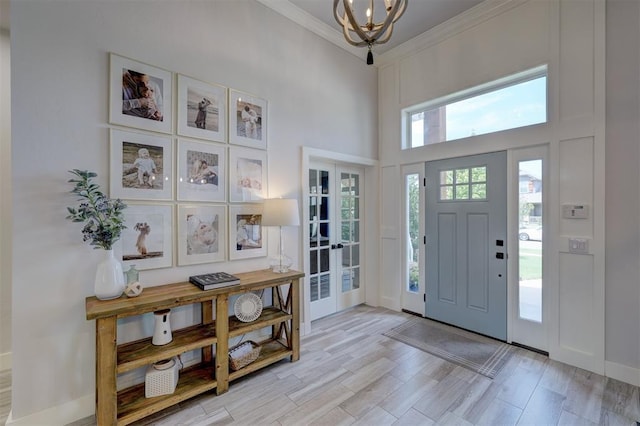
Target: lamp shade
{"points": [[280, 212]]}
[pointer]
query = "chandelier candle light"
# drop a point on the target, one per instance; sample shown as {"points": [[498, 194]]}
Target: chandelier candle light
{"points": [[370, 32], [280, 212]]}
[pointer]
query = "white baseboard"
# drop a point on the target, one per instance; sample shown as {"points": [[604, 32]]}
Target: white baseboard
{"points": [[63, 414], [390, 303], [622, 372], [5, 361]]}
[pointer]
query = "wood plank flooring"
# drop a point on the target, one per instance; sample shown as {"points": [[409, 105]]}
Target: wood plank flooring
{"points": [[350, 374], [5, 395]]}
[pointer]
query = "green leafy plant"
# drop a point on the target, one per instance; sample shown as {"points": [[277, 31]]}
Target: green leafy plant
{"points": [[101, 215]]}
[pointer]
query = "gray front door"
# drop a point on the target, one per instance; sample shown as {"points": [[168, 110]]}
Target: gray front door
{"points": [[466, 224]]}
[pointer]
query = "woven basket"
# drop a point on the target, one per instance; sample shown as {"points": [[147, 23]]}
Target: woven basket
{"points": [[243, 354]]}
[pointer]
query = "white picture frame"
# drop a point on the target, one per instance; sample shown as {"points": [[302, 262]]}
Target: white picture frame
{"points": [[136, 176], [201, 233], [147, 240], [247, 235], [202, 109], [201, 171], [140, 95], [247, 174], [247, 120]]}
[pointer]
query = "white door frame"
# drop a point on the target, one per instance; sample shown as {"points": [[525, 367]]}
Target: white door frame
{"points": [[413, 302], [369, 256], [518, 330]]}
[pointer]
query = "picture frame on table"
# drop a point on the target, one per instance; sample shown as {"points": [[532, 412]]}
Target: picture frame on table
{"points": [[140, 95], [147, 240], [247, 120], [141, 166], [201, 172], [247, 174], [201, 233], [247, 236], [202, 109]]}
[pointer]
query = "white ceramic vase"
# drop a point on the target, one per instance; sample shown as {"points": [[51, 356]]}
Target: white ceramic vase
{"points": [[109, 282]]}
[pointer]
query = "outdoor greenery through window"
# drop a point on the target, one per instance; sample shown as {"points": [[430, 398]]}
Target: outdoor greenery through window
{"points": [[516, 101], [463, 184], [412, 189]]}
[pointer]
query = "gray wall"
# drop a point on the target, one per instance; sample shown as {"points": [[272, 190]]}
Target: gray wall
{"points": [[318, 96], [5, 205], [623, 178]]}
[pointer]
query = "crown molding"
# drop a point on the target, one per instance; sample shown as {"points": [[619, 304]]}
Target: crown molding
{"points": [[313, 24], [470, 18]]}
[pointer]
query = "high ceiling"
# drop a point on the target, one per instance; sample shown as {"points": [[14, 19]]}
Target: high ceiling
{"points": [[317, 15], [419, 17]]}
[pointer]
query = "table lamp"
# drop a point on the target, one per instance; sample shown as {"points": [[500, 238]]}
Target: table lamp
{"points": [[280, 212]]}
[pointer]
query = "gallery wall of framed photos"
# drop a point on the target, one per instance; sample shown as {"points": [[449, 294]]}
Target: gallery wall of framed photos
{"points": [[189, 158]]}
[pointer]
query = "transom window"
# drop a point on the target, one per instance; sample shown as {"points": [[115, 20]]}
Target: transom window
{"points": [[511, 102], [463, 184]]}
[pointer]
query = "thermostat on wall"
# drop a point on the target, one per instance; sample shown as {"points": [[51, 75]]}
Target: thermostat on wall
{"points": [[575, 211]]}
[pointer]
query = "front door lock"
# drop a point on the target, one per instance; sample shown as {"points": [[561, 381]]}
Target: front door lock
{"points": [[336, 246]]}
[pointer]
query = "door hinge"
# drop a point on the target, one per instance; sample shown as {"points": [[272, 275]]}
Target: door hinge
{"points": [[424, 240], [424, 297], [424, 181]]}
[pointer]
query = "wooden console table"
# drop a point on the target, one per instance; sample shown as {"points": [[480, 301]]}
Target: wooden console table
{"points": [[128, 405]]}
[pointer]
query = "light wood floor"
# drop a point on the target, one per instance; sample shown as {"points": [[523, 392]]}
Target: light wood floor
{"points": [[5, 395], [350, 374]]}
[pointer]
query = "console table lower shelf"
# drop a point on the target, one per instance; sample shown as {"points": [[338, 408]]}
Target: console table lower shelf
{"points": [[216, 328]]}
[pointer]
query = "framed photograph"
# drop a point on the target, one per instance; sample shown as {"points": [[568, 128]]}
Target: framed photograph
{"points": [[247, 120], [202, 109], [201, 234], [247, 174], [201, 171], [140, 95], [141, 166], [147, 242], [247, 237]]}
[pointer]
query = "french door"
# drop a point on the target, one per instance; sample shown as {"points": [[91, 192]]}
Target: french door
{"points": [[335, 196]]}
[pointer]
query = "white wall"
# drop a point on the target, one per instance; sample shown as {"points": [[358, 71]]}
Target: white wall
{"points": [[5, 207], [511, 36], [319, 96]]}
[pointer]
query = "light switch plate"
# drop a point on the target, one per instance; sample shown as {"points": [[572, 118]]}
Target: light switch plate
{"points": [[579, 245]]}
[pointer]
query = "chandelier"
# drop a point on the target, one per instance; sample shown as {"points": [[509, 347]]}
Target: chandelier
{"points": [[370, 32]]}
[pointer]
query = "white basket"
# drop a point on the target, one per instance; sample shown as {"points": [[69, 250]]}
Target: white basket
{"points": [[161, 378]]}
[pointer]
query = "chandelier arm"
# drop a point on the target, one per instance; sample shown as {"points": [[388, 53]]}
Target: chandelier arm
{"points": [[350, 40], [354, 23], [342, 20], [391, 19]]}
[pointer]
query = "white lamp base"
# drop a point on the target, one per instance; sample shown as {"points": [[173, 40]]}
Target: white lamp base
{"points": [[280, 264]]}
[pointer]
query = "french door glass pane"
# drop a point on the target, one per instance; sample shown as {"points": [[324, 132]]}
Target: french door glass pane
{"points": [[314, 288]]}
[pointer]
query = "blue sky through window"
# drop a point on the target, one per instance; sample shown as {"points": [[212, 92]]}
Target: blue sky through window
{"points": [[519, 105]]}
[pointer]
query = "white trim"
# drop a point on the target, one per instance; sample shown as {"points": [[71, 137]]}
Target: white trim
{"points": [[5, 361], [313, 24], [321, 154], [60, 414], [621, 372]]}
